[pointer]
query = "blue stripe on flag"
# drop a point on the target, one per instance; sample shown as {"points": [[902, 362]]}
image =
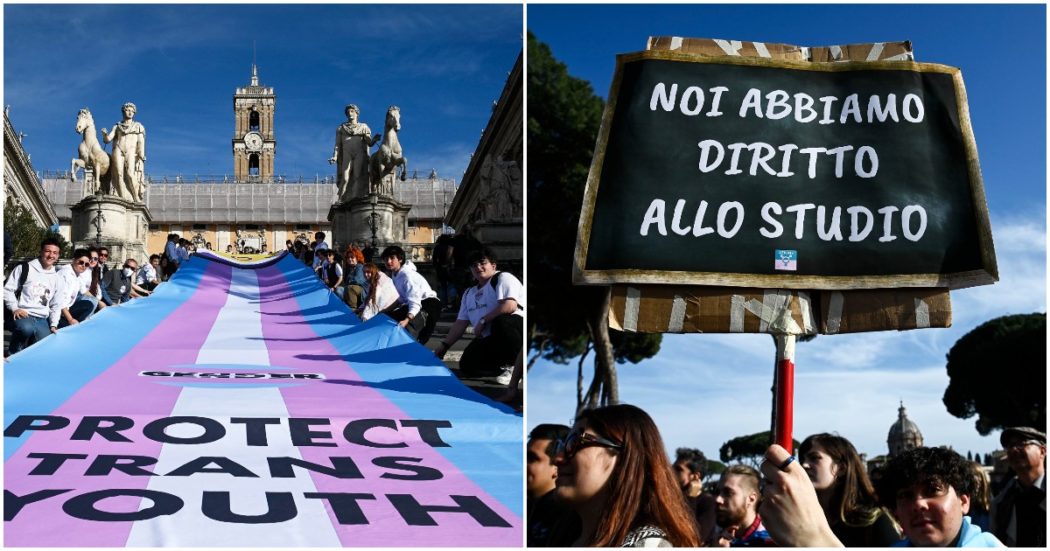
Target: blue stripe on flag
{"points": [[423, 387]]}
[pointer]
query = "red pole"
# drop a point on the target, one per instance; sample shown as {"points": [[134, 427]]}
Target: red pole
{"points": [[785, 385]]}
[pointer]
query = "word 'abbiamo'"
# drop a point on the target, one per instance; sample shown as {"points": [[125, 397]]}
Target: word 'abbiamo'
{"points": [[828, 222], [779, 104]]}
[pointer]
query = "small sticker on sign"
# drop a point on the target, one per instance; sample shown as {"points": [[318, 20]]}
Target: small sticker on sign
{"points": [[785, 260]]}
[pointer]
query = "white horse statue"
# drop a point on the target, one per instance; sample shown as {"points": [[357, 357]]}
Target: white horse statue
{"points": [[91, 155], [389, 155]]}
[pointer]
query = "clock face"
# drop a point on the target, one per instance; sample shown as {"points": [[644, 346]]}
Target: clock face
{"points": [[253, 141]]}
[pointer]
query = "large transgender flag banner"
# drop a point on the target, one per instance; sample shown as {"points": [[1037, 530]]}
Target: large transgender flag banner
{"points": [[244, 405]]}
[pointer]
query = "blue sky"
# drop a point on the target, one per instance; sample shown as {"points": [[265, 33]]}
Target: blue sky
{"points": [[703, 390], [180, 64]]}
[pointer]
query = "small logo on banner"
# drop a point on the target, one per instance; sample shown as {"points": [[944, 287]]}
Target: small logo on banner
{"points": [[785, 260], [227, 375]]}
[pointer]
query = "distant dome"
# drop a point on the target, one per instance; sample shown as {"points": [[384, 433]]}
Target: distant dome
{"points": [[904, 434]]}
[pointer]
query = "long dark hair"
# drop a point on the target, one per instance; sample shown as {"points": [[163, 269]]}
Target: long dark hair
{"points": [[96, 276], [854, 499], [373, 280], [641, 490]]}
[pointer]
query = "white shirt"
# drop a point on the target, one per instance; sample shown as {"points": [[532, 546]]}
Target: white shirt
{"points": [[69, 288], [479, 300], [318, 259], [412, 287], [385, 295], [37, 294], [146, 274]]}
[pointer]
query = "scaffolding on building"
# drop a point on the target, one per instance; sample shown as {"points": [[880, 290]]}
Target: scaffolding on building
{"points": [[205, 200]]}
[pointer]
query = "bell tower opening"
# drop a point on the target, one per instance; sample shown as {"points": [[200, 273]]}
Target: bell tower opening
{"points": [[253, 121], [253, 165]]}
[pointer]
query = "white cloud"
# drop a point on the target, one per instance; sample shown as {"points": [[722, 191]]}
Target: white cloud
{"points": [[1021, 250]]}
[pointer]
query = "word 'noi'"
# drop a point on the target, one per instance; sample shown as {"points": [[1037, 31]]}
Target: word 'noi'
{"points": [[779, 104], [828, 222]]}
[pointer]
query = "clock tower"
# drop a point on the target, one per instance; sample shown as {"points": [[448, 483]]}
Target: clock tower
{"points": [[254, 145]]}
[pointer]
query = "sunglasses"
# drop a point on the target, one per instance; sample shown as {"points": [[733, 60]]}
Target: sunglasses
{"points": [[578, 440], [82, 263], [1018, 446]]}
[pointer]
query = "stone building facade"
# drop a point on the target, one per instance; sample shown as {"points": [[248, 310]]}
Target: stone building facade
{"points": [[490, 196], [220, 213], [22, 187]]}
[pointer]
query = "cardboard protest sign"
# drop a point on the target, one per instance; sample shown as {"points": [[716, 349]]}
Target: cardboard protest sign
{"points": [[870, 51], [752, 172], [244, 405], [700, 309]]}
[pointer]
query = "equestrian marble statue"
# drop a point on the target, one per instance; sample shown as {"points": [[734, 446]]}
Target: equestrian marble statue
{"points": [[389, 155], [91, 156]]}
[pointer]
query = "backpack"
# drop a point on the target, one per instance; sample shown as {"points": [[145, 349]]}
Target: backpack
{"points": [[9, 316], [494, 280]]}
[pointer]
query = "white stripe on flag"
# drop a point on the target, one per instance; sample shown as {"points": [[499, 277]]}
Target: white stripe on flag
{"points": [[237, 334], [235, 338]]}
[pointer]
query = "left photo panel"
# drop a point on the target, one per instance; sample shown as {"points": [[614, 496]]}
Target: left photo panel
{"points": [[264, 276]]}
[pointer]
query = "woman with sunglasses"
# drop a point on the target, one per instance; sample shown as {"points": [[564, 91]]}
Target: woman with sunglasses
{"points": [[845, 492], [612, 469]]}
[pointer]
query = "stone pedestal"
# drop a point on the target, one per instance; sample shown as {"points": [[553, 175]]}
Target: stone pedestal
{"points": [[125, 226], [505, 238], [350, 222]]}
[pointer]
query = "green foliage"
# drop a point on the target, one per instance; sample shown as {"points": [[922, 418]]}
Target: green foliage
{"points": [[25, 234], [714, 468], [998, 372], [634, 347], [749, 449], [563, 119]]}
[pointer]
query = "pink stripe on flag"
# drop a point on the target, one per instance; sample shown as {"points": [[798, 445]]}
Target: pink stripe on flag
{"points": [[118, 391], [288, 335]]}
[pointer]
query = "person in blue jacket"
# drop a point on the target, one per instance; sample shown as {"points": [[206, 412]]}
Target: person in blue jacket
{"points": [[929, 491]]}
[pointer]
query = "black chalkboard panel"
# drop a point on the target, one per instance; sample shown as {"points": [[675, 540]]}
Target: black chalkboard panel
{"points": [[754, 172]]}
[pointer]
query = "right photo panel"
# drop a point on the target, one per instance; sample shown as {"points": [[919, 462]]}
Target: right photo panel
{"points": [[787, 275]]}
